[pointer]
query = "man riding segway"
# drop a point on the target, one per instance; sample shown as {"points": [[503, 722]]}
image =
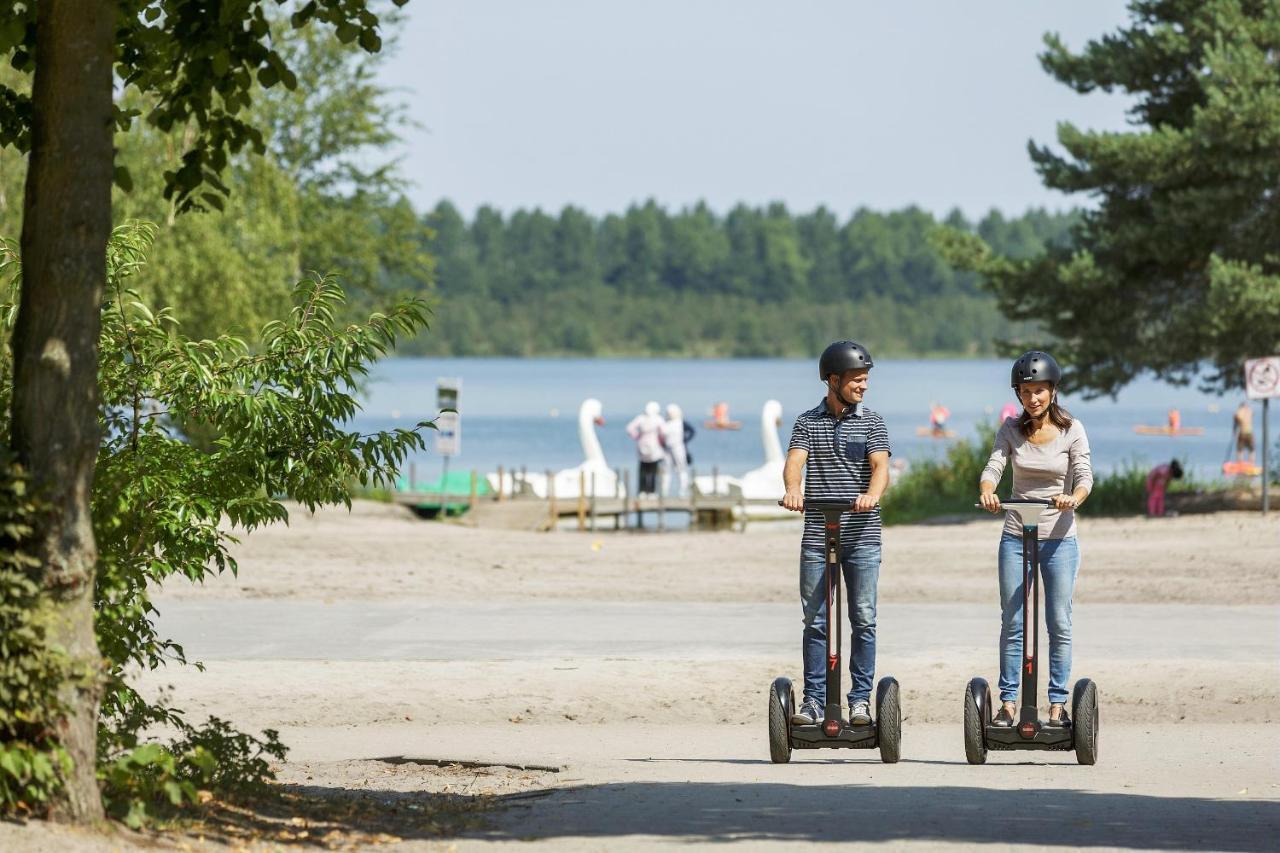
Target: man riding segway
{"points": [[842, 450]]}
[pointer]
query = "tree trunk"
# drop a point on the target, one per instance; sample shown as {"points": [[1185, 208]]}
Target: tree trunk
{"points": [[66, 223]]}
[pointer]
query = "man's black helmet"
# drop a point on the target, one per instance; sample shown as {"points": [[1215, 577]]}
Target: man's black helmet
{"points": [[842, 356], [1035, 366]]}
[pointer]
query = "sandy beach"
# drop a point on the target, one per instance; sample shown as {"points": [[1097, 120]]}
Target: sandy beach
{"points": [[617, 682]]}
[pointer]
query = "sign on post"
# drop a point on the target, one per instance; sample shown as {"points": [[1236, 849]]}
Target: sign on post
{"points": [[1262, 378], [1262, 382], [448, 424]]}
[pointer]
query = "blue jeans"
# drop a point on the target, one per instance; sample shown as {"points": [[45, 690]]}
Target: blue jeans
{"points": [[1059, 563], [861, 568]]}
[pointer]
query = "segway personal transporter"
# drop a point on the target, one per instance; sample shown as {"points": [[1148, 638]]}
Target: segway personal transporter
{"points": [[833, 732], [1081, 731]]}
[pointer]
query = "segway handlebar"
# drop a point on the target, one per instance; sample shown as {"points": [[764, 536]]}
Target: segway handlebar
{"points": [[825, 504], [1029, 510]]}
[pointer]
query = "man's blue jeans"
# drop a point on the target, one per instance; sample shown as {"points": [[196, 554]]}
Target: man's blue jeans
{"points": [[861, 569], [1059, 562]]}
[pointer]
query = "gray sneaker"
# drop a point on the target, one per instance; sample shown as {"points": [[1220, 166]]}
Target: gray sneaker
{"points": [[860, 713], [810, 712]]}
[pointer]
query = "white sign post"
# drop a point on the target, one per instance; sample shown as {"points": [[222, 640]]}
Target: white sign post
{"points": [[448, 425], [1262, 382]]}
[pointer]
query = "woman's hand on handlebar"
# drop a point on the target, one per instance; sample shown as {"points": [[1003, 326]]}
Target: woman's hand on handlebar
{"points": [[1064, 501], [793, 501], [989, 501]]}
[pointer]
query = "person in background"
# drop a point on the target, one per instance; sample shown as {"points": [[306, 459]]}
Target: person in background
{"points": [[1157, 482], [675, 432], [1242, 422], [1175, 420], [1010, 410], [938, 415], [646, 430]]}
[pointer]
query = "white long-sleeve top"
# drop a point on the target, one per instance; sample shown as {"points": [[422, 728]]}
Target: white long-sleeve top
{"points": [[1041, 471], [673, 439], [646, 429]]}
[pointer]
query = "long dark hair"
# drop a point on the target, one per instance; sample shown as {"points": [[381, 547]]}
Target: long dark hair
{"points": [[1057, 416]]}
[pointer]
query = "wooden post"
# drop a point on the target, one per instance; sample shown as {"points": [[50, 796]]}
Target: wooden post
{"points": [[693, 500], [662, 506], [593, 501], [524, 478], [626, 496], [475, 490], [742, 509], [502, 483], [551, 493], [715, 479], [582, 500]]}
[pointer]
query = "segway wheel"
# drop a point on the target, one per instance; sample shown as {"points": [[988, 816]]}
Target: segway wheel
{"points": [[889, 720], [1084, 721], [782, 704], [977, 713]]}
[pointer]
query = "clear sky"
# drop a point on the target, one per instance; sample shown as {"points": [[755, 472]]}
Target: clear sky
{"points": [[602, 103]]}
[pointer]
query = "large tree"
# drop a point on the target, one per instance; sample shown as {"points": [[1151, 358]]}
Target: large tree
{"points": [[1175, 272], [199, 60]]}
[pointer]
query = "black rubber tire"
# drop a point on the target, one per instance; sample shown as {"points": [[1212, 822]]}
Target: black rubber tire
{"points": [[781, 706], [889, 720], [1084, 721], [977, 713]]}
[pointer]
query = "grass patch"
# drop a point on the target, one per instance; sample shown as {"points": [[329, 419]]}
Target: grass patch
{"points": [[949, 487]]}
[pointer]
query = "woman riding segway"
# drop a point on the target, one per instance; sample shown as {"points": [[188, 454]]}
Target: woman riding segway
{"points": [[1049, 451]]}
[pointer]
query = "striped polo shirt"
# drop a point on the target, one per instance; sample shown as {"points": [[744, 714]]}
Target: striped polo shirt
{"points": [[838, 468]]}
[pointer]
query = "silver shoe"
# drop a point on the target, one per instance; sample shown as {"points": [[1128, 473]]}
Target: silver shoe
{"points": [[860, 713]]}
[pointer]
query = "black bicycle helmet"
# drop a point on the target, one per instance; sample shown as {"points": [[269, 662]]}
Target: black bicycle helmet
{"points": [[841, 356], [1035, 366]]}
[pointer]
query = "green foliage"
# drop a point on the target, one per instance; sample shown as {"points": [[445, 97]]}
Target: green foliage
{"points": [[323, 195], [933, 488], [755, 282], [1175, 271], [198, 69], [163, 507], [152, 780], [31, 762]]}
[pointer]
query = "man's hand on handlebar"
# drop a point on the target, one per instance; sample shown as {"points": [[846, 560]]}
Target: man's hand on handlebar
{"points": [[865, 503], [793, 501], [989, 502]]}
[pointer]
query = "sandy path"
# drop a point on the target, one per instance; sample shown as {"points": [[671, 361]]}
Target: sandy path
{"points": [[636, 665], [381, 551]]}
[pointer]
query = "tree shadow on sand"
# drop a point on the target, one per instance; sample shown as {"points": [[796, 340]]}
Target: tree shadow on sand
{"points": [[753, 811]]}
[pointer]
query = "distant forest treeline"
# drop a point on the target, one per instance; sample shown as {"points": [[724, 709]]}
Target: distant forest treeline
{"points": [[753, 282]]}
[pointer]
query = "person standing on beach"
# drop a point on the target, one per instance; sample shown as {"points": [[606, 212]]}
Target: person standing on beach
{"points": [[840, 449], [646, 430], [1049, 451], [1242, 420], [675, 432]]}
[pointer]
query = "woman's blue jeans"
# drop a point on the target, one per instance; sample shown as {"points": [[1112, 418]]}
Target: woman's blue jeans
{"points": [[1059, 563], [861, 569]]}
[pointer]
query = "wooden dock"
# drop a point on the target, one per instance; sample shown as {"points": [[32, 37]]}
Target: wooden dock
{"points": [[704, 512]]}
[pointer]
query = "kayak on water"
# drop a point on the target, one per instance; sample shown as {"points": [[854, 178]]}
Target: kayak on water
{"points": [[1142, 429]]}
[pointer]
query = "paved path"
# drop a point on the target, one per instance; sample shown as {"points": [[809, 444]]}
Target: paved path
{"points": [[239, 629], [638, 786]]}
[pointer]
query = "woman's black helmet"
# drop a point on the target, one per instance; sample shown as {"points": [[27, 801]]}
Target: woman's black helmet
{"points": [[842, 356], [1035, 366]]}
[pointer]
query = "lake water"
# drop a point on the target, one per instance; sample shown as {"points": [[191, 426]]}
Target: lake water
{"points": [[523, 412]]}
